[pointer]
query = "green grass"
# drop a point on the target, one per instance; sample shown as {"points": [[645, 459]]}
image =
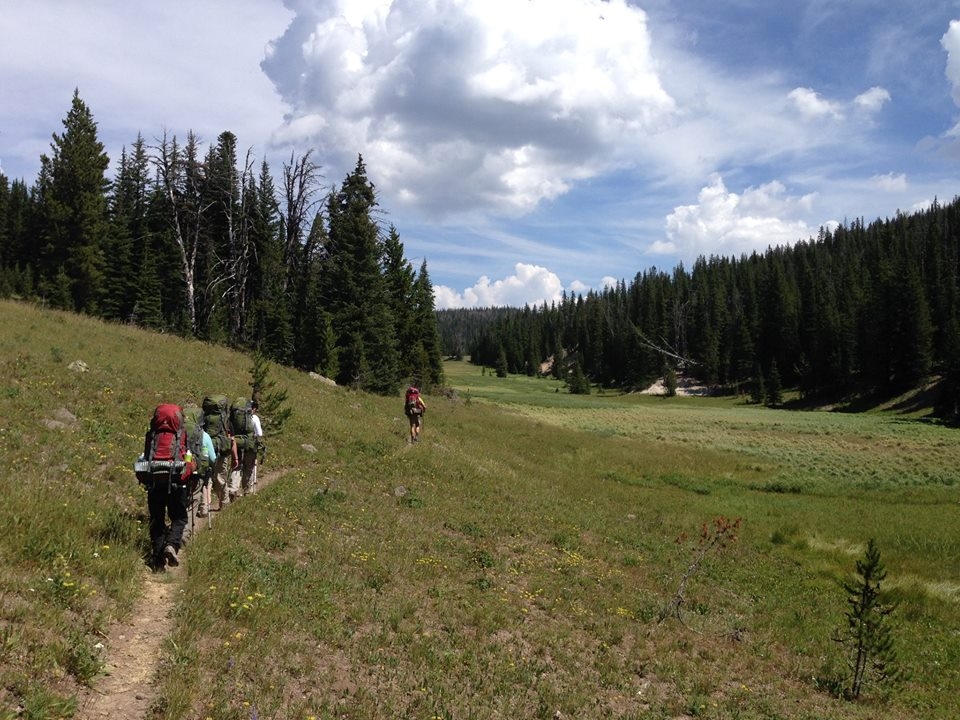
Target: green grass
{"points": [[513, 564]]}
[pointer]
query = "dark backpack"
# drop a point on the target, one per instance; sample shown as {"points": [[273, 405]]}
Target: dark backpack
{"points": [[193, 425], [216, 420], [164, 446], [410, 405], [241, 424]]}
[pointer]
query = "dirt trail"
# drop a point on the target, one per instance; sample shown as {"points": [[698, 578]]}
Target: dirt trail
{"points": [[127, 689]]}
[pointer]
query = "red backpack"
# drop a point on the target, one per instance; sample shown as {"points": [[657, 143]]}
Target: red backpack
{"points": [[410, 404], [167, 439], [164, 446]]}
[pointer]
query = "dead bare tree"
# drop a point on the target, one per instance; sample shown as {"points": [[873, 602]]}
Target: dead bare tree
{"points": [[301, 181], [181, 177]]}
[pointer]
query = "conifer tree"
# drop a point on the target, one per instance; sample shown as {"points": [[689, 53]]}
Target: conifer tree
{"points": [[429, 364], [353, 286], [398, 279], [270, 307], [74, 189], [129, 234], [867, 636]]}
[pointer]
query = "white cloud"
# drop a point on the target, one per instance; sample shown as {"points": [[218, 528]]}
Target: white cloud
{"points": [[891, 182], [530, 285], [951, 43], [812, 106], [724, 223], [872, 100], [473, 103], [578, 287]]}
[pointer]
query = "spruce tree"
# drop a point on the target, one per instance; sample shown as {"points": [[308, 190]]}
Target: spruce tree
{"points": [[429, 363], [398, 279], [867, 636], [74, 188], [128, 233], [270, 306], [354, 288]]}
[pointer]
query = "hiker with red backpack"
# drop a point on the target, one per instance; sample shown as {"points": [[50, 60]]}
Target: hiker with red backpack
{"points": [[413, 408], [166, 469]]}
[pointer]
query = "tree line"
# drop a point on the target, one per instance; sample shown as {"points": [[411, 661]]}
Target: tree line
{"points": [[203, 243], [860, 308]]}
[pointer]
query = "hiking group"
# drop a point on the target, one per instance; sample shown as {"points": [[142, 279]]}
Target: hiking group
{"points": [[211, 449]]}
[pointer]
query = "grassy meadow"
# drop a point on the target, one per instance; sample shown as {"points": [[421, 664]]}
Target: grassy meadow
{"points": [[513, 564]]}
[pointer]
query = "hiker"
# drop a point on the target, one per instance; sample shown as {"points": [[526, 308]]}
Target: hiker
{"points": [[166, 472], [248, 436], [216, 418], [208, 460], [414, 407]]}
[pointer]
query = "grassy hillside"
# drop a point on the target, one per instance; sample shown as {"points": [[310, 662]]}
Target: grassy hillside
{"points": [[514, 564]]}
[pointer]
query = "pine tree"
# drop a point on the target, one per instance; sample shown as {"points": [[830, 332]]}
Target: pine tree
{"points": [[128, 233], [398, 279], [270, 306], [501, 364], [354, 289], [867, 635], [429, 363], [74, 189]]}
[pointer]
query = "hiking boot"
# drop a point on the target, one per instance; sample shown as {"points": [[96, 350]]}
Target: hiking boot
{"points": [[202, 510], [170, 553]]}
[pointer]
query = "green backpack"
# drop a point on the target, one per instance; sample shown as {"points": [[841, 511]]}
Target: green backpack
{"points": [[216, 417], [193, 423], [241, 424]]}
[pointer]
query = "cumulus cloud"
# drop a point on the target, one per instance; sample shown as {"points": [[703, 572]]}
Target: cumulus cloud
{"points": [[725, 223], [812, 106], [951, 43], [529, 285], [470, 103], [872, 100], [891, 182]]}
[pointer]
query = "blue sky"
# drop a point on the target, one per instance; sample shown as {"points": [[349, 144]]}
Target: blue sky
{"points": [[527, 147]]}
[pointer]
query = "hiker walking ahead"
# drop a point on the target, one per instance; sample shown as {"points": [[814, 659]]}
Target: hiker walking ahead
{"points": [[165, 469], [414, 407], [248, 435], [216, 419], [207, 462]]}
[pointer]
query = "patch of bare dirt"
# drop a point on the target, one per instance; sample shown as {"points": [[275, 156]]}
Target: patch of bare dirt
{"points": [[686, 387]]}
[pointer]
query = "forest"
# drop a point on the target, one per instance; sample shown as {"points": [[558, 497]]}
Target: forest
{"points": [[205, 244], [862, 308], [199, 242]]}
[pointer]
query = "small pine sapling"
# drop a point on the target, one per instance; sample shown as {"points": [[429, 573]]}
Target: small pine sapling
{"points": [[867, 635], [270, 398]]}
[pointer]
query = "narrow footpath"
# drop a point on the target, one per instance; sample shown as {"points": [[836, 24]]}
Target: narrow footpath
{"points": [[127, 689]]}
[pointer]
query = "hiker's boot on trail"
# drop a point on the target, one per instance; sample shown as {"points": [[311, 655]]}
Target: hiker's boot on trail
{"points": [[170, 553]]}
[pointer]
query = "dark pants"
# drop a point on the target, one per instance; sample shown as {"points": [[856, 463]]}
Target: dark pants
{"points": [[163, 498]]}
